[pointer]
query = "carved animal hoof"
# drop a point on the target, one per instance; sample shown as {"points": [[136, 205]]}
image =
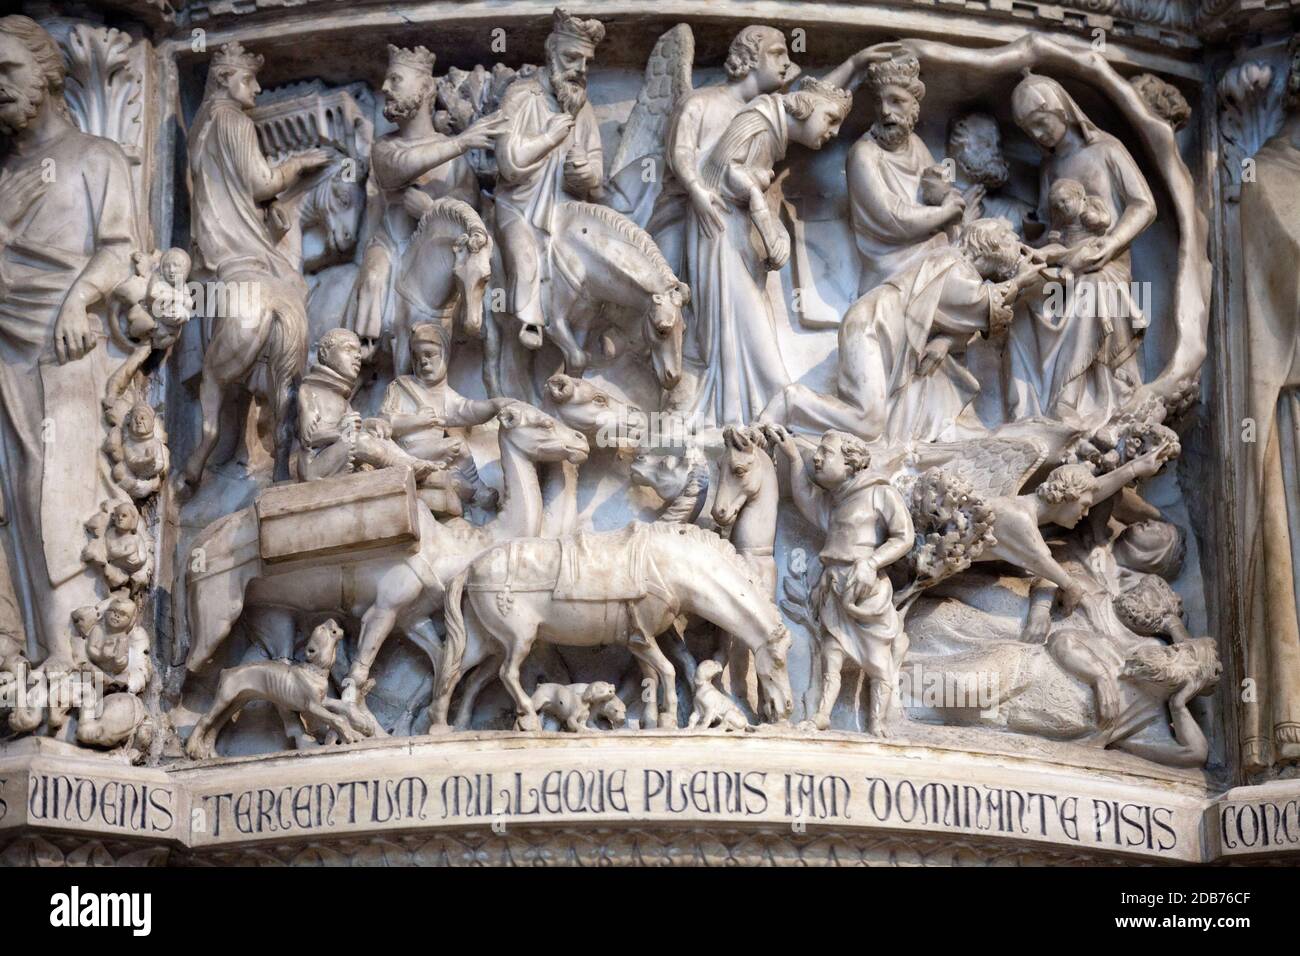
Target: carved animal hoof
{"points": [[528, 722]]}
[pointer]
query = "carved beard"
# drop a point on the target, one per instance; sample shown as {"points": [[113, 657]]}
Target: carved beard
{"points": [[570, 89], [397, 109], [983, 165], [892, 133], [19, 107]]}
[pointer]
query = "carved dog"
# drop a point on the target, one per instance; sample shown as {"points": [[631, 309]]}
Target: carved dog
{"points": [[712, 707], [573, 704], [298, 691]]}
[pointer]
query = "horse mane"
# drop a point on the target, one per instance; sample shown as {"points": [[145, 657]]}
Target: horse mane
{"points": [[634, 235], [701, 535], [458, 213]]}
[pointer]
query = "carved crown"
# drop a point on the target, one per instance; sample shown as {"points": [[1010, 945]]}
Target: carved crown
{"points": [[565, 25], [903, 70], [233, 56], [419, 58]]}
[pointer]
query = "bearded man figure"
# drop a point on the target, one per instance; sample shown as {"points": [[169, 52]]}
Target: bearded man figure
{"points": [[416, 156], [66, 237], [549, 153], [892, 227], [981, 172]]}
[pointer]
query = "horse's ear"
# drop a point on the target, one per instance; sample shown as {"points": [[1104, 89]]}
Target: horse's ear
{"points": [[737, 437]]}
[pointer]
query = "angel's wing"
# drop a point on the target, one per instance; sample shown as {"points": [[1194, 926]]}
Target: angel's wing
{"points": [[667, 80], [995, 466]]}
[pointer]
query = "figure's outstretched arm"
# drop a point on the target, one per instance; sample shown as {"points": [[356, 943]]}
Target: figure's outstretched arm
{"points": [[848, 75], [810, 499], [400, 164]]}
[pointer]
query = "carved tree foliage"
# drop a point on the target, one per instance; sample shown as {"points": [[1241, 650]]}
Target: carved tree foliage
{"points": [[1250, 111]]}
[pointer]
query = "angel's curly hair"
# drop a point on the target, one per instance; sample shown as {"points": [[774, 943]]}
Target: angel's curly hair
{"points": [[742, 55], [1067, 483]]}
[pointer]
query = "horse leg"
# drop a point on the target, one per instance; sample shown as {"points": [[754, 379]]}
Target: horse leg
{"points": [[482, 675], [492, 353], [402, 336], [575, 356], [395, 591], [648, 651], [516, 650], [649, 692], [212, 393], [440, 705]]}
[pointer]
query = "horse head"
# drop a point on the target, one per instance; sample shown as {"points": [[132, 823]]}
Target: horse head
{"points": [[318, 219], [663, 327], [457, 224], [596, 413], [539, 437], [744, 467]]}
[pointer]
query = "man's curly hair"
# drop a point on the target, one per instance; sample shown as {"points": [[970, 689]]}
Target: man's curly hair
{"points": [[903, 70], [1067, 483], [856, 454]]}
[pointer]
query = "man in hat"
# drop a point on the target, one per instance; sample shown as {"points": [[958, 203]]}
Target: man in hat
{"points": [[549, 154], [421, 408], [415, 156], [333, 439], [66, 237], [892, 227]]}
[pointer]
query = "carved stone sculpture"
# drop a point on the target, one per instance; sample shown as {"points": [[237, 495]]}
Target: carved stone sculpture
{"points": [[576, 705], [711, 707], [867, 527], [298, 691], [653, 572], [613, 396], [236, 244], [1270, 237], [892, 226], [66, 244], [415, 157]]}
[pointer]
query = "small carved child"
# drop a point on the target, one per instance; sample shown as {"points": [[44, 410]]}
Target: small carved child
{"points": [[1075, 217], [118, 647], [333, 439], [138, 449], [119, 548], [156, 295]]}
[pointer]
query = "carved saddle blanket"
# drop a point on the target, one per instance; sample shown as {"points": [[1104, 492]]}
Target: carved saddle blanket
{"points": [[587, 566]]}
